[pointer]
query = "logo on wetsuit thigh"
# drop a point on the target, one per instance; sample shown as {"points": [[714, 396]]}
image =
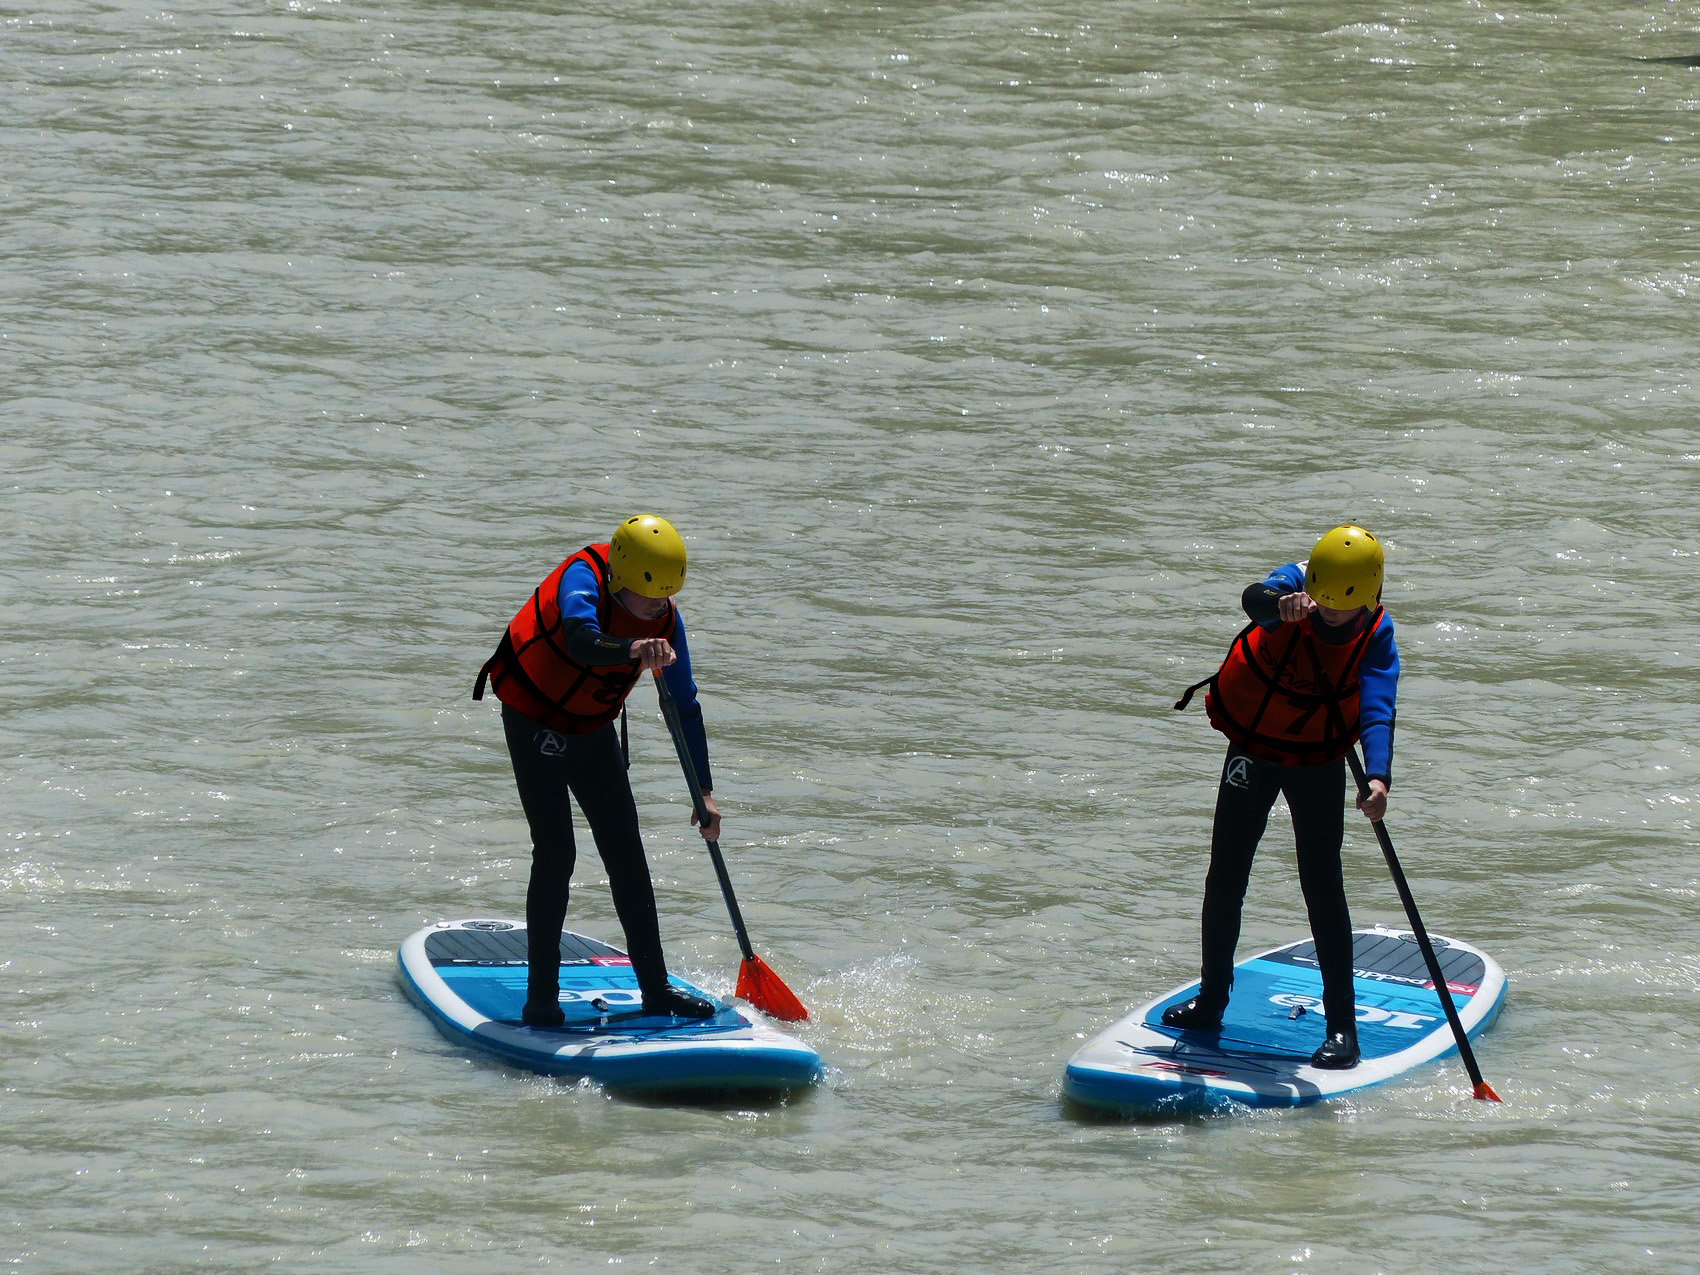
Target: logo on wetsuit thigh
{"points": [[550, 743], [1237, 773]]}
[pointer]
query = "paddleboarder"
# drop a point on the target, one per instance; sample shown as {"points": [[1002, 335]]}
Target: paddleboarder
{"points": [[563, 670], [1314, 671]]}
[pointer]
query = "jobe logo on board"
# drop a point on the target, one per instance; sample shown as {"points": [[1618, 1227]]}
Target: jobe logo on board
{"points": [[1366, 1013], [607, 995]]}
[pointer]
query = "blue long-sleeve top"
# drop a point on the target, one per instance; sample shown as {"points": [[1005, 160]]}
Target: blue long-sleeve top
{"points": [[1378, 673], [578, 595]]}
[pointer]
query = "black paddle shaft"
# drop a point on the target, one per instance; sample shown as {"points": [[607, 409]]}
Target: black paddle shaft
{"points": [[1433, 962], [670, 710]]}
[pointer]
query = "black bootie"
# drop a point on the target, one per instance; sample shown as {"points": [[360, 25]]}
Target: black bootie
{"points": [[1338, 1052], [670, 1002], [542, 1011], [543, 995], [1203, 1013], [543, 979]]}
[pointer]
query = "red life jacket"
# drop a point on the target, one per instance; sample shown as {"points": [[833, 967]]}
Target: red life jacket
{"points": [[1286, 695], [532, 673]]}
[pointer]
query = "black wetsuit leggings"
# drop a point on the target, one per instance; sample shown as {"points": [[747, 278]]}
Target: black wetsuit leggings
{"points": [[1316, 797], [548, 766]]}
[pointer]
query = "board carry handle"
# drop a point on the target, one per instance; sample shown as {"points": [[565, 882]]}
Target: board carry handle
{"points": [[1483, 1090], [757, 984]]}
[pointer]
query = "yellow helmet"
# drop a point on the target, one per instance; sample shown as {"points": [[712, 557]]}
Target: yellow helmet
{"points": [[647, 556], [1345, 569]]}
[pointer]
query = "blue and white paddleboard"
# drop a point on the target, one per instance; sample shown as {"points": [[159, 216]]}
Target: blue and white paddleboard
{"points": [[1274, 1022], [469, 978]]}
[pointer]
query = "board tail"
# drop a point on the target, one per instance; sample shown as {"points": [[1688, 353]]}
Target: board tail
{"points": [[765, 990]]}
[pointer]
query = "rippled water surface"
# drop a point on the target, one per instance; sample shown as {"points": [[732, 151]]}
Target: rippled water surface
{"points": [[983, 356]]}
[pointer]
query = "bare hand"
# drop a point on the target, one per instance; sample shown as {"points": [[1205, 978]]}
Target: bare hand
{"points": [[711, 829], [653, 654], [1295, 606], [1374, 805]]}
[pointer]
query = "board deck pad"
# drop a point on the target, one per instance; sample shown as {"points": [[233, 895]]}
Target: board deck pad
{"points": [[469, 977], [1274, 1022]]}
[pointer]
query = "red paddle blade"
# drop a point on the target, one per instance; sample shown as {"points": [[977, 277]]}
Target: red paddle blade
{"points": [[765, 990], [1485, 1092]]}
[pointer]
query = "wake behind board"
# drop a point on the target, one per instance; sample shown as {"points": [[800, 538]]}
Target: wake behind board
{"points": [[1274, 1022], [469, 978]]}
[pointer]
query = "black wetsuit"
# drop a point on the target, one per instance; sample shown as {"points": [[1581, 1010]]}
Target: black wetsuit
{"points": [[1244, 798], [1316, 797], [551, 770]]}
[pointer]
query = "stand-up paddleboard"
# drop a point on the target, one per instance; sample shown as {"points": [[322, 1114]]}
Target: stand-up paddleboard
{"points": [[1274, 1022], [469, 978]]}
